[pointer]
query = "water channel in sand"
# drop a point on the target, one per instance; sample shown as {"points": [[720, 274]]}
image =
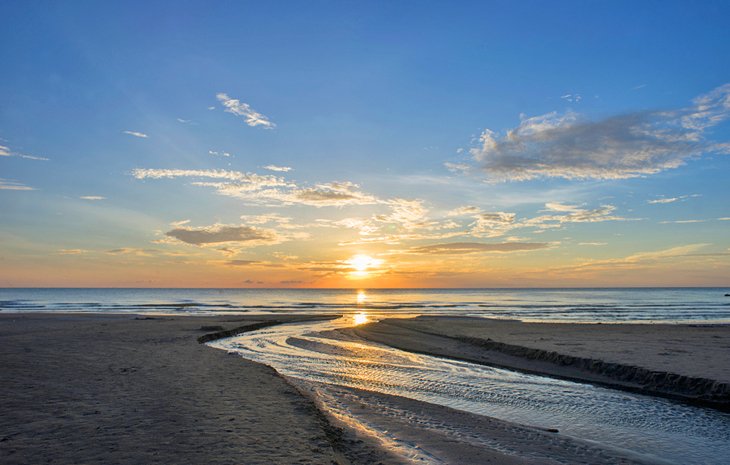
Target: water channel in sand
{"points": [[654, 427]]}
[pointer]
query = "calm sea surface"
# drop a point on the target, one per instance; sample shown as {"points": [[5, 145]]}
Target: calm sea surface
{"points": [[584, 305]]}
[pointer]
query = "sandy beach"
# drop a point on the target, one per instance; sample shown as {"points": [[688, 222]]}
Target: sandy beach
{"points": [[687, 362], [139, 389], [81, 388]]}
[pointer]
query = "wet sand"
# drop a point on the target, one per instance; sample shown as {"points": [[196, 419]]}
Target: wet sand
{"points": [[124, 389], [687, 362]]}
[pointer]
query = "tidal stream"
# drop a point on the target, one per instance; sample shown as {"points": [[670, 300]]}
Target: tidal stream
{"points": [[655, 428]]}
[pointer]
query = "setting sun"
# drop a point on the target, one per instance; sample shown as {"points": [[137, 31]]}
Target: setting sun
{"points": [[362, 265]]}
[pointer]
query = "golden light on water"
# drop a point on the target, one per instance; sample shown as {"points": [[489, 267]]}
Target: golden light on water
{"points": [[360, 318], [363, 265], [361, 297]]}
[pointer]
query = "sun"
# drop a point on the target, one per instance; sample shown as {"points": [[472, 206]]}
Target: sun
{"points": [[362, 265]]}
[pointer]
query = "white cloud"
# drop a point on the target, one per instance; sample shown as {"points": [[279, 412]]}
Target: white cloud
{"points": [[238, 108], [624, 146], [572, 98], [92, 197], [283, 169], [671, 199], [596, 244], [10, 185], [219, 154], [141, 135], [682, 222], [6, 152], [255, 180]]}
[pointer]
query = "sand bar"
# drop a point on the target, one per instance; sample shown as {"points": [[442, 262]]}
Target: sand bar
{"points": [[116, 389], [689, 362]]}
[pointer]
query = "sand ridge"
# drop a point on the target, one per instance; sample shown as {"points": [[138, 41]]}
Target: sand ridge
{"points": [[679, 361]]}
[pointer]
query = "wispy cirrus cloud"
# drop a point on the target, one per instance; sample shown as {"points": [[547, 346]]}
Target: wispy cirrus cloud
{"points": [[6, 152], [267, 189], [454, 248], [572, 98], [663, 200], [92, 197], [244, 110], [282, 169], [568, 146], [141, 135], [10, 185]]}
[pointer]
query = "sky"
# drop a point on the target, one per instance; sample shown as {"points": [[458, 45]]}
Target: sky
{"points": [[364, 144]]}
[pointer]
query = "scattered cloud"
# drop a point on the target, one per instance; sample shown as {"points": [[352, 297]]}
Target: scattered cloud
{"points": [[267, 189], [238, 108], [6, 152], [141, 135], [625, 146], [10, 185], [92, 197], [634, 261], [682, 221], [453, 248], [283, 169], [72, 251], [184, 121], [220, 233], [242, 262], [466, 210], [671, 199], [458, 167], [218, 154], [596, 244], [572, 98]]}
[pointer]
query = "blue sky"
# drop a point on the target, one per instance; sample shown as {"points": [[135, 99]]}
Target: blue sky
{"points": [[469, 144]]}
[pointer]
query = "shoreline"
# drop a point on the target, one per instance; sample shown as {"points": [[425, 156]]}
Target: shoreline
{"points": [[577, 352]]}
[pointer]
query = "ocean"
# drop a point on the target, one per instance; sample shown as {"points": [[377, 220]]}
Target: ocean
{"points": [[665, 305]]}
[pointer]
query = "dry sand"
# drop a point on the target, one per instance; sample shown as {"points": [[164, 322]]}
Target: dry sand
{"points": [[689, 362], [117, 389]]}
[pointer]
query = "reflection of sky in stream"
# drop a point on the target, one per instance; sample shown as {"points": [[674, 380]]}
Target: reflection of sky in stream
{"points": [[671, 431]]}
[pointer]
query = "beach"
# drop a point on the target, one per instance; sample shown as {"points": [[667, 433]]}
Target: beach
{"points": [[141, 389], [686, 362], [91, 388]]}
